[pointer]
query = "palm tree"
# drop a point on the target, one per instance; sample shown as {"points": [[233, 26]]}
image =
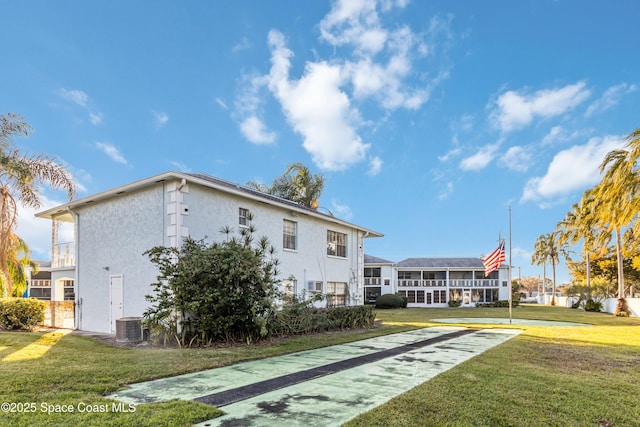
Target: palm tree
{"points": [[18, 259], [618, 197], [547, 249], [580, 224], [20, 179], [296, 184]]}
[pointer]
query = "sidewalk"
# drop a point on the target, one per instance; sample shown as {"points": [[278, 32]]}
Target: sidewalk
{"points": [[322, 387]]}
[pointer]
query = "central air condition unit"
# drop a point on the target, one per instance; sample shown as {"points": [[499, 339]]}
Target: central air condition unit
{"points": [[129, 329]]}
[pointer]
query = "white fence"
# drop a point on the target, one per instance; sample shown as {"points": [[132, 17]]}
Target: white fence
{"points": [[634, 305], [608, 305]]}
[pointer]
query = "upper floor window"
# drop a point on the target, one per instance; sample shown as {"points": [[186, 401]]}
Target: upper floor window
{"points": [[336, 244], [289, 234], [243, 216], [372, 272]]}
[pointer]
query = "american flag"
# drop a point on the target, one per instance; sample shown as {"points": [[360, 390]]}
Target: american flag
{"points": [[494, 260]]}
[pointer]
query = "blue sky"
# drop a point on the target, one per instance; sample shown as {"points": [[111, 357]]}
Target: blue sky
{"points": [[428, 119]]}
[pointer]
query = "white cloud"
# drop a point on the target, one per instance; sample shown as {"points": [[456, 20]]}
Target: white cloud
{"points": [[160, 118], [243, 44], [322, 104], [182, 167], [481, 159], [573, 169], [375, 165], [455, 152], [95, 118], [514, 110], [341, 210], [81, 99], [73, 95], [446, 192], [609, 98], [517, 159], [112, 152], [328, 124], [560, 134], [221, 103], [256, 132]]}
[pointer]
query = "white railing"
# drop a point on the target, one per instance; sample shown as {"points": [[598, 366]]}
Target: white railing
{"points": [[375, 281], [63, 255], [453, 283]]}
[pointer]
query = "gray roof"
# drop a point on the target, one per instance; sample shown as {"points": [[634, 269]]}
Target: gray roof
{"points": [[369, 259], [441, 263], [64, 212]]}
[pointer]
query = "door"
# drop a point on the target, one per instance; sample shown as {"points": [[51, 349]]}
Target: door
{"points": [[466, 298], [115, 298]]}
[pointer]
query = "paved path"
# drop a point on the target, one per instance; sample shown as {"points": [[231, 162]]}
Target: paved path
{"points": [[323, 387]]}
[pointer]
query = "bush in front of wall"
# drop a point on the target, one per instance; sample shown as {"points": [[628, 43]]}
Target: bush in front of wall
{"points": [[592, 305], [454, 303], [622, 308], [21, 313], [390, 301]]}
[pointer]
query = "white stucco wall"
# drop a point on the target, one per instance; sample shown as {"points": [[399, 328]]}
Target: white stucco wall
{"points": [[116, 232], [209, 210]]}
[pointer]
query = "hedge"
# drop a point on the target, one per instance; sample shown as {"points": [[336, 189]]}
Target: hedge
{"points": [[21, 313]]}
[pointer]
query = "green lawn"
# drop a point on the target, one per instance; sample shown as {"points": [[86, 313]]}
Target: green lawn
{"points": [[547, 376]]}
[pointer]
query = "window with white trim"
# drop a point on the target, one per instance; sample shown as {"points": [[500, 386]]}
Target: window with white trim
{"points": [[336, 244], [336, 294], [69, 290], [314, 286], [243, 216], [289, 234]]}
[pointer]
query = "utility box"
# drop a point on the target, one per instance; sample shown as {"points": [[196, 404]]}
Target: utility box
{"points": [[129, 329]]}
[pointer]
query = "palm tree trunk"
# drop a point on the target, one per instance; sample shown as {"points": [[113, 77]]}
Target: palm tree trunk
{"points": [[588, 276], [620, 264], [553, 292]]}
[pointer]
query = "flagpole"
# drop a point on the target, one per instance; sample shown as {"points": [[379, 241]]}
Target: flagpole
{"points": [[510, 263]]}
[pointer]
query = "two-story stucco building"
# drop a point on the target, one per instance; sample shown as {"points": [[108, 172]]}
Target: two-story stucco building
{"points": [[433, 282], [317, 252]]}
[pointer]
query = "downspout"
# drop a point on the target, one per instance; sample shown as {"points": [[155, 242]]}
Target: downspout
{"points": [[77, 318]]}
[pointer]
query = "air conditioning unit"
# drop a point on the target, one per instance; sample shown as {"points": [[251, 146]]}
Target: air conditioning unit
{"points": [[129, 329]]}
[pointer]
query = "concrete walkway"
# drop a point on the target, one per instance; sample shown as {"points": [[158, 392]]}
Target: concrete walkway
{"points": [[323, 387]]}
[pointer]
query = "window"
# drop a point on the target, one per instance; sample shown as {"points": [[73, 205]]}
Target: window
{"points": [[40, 293], [336, 244], [289, 232], [387, 282], [40, 288], [372, 272], [289, 291], [314, 286], [69, 291], [336, 294], [371, 294], [243, 216], [439, 297]]}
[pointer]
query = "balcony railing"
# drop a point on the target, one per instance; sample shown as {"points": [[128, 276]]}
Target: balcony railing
{"points": [[63, 255], [453, 283]]}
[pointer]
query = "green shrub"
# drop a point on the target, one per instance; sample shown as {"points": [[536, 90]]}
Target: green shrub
{"points": [[361, 316], [390, 301], [592, 305], [303, 318], [405, 300], [218, 292], [21, 313], [454, 303]]}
